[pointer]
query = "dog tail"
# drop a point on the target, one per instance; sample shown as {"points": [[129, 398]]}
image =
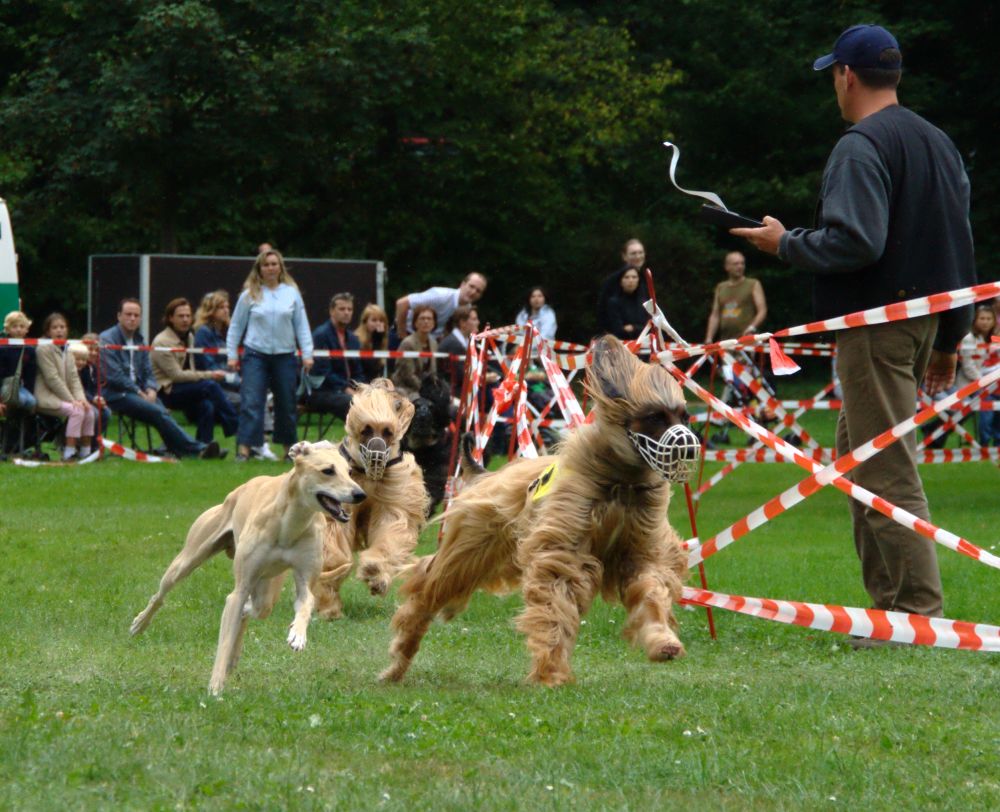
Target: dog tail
{"points": [[470, 468]]}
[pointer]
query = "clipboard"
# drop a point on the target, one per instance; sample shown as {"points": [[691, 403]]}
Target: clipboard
{"points": [[727, 219]]}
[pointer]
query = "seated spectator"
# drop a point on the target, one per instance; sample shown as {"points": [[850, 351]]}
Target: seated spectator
{"points": [[626, 315], [464, 322], [537, 311], [410, 372], [373, 333], [129, 387], [16, 325], [211, 323], [332, 379], [195, 392], [59, 392], [87, 357]]}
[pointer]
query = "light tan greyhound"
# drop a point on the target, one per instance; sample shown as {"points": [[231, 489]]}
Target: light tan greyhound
{"points": [[267, 526]]}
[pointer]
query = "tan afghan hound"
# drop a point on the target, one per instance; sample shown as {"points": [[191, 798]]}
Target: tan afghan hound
{"points": [[592, 517], [384, 528]]}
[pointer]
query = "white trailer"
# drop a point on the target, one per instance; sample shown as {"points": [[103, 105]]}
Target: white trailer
{"points": [[9, 297]]}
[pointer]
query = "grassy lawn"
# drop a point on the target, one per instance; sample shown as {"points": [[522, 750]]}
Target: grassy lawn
{"points": [[767, 717]]}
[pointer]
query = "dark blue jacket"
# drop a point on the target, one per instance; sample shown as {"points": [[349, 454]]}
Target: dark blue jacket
{"points": [[337, 373], [115, 379], [206, 336]]}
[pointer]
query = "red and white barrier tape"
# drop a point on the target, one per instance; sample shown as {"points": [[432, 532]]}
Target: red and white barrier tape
{"points": [[866, 497], [926, 457], [875, 624], [130, 454]]}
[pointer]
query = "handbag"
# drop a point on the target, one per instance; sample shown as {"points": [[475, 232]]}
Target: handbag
{"points": [[10, 387]]}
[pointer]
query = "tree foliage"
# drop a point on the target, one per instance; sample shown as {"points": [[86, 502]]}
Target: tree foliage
{"points": [[518, 137]]}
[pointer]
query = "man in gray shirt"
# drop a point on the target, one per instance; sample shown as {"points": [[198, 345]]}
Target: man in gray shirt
{"points": [[891, 224], [443, 300]]}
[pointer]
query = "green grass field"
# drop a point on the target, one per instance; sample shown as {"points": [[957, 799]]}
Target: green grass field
{"points": [[766, 717]]}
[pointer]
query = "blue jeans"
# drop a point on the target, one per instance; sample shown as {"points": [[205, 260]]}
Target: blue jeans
{"points": [[261, 372], [178, 441], [205, 404], [26, 400], [989, 426]]}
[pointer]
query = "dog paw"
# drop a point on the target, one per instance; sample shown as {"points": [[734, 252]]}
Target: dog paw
{"points": [[377, 581], [330, 613], [215, 686], [394, 673], [296, 639], [668, 651], [138, 625], [553, 680]]}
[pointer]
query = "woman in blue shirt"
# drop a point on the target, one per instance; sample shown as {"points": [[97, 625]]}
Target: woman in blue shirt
{"points": [[537, 310], [270, 320]]}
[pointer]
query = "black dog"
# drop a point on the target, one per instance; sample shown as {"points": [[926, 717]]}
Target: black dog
{"points": [[429, 436]]}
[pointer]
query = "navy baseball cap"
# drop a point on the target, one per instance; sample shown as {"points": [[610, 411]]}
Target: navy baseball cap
{"points": [[860, 47]]}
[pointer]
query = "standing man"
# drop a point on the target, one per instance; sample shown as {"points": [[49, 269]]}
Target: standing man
{"points": [[892, 223], [738, 306], [443, 300], [129, 387], [336, 375]]}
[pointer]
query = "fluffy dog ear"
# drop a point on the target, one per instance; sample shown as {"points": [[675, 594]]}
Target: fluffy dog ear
{"points": [[612, 370], [404, 413], [302, 449]]}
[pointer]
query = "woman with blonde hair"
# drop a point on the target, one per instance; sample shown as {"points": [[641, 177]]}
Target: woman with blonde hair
{"points": [[373, 333], [270, 320], [211, 324], [59, 392]]}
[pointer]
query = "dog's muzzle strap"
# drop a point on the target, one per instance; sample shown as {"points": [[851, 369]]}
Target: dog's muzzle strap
{"points": [[374, 458], [674, 455]]}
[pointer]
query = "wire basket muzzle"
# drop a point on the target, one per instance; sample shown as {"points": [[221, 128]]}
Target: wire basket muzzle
{"points": [[374, 456], [675, 454]]}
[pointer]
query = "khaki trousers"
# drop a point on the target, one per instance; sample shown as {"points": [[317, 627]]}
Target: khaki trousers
{"points": [[880, 367]]}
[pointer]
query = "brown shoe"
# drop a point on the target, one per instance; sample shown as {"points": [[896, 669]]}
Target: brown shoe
{"points": [[210, 452]]}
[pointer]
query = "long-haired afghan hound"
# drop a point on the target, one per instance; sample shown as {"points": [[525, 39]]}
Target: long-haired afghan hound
{"points": [[592, 517], [384, 528]]}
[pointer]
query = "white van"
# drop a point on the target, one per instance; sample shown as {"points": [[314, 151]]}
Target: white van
{"points": [[9, 297]]}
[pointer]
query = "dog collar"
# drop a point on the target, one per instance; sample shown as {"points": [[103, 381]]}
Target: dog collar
{"points": [[355, 467]]}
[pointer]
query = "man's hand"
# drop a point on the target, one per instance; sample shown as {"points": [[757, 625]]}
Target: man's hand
{"points": [[148, 395], [218, 375], [940, 371], [765, 238], [233, 364], [307, 364]]}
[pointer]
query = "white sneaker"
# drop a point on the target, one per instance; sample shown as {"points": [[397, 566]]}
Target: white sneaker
{"points": [[69, 452], [264, 452]]}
